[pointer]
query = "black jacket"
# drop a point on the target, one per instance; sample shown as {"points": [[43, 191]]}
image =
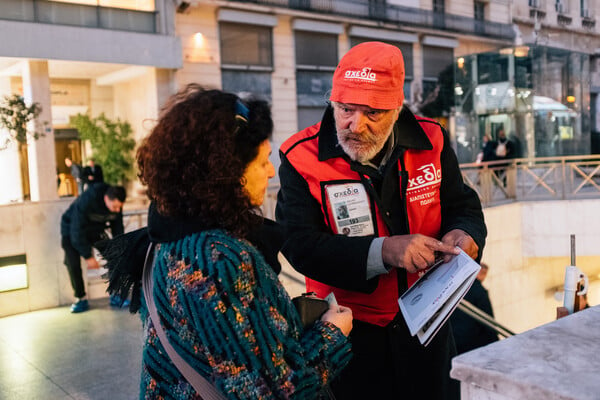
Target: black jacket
{"points": [[87, 218], [340, 261], [468, 333], [97, 174]]}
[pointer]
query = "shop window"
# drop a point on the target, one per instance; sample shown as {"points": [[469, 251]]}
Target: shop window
{"points": [[246, 45], [246, 58], [492, 68], [435, 60], [316, 59], [258, 83], [315, 49]]}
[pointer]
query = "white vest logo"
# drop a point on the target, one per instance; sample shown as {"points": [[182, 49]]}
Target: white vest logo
{"points": [[424, 187], [429, 176], [364, 75]]}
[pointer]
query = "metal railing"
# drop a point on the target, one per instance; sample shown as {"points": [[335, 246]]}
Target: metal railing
{"points": [[378, 10], [135, 219], [51, 12], [545, 178], [496, 182], [484, 318], [501, 182]]}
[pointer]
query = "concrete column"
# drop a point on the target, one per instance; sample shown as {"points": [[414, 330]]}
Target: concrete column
{"points": [[416, 87], [10, 176], [41, 153], [165, 86]]}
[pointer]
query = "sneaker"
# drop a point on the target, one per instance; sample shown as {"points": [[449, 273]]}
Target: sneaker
{"points": [[80, 306], [117, 301]]}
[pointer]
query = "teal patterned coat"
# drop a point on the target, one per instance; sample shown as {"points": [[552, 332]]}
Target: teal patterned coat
{"points": [[229, 317]]}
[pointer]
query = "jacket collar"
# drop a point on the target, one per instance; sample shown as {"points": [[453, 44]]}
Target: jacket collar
{"points": [[408, 134]]}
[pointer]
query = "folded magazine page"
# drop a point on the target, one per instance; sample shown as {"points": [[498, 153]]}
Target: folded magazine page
{"points": [[429, 302]]}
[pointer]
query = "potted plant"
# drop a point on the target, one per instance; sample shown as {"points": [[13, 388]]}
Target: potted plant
{"points": [[112, 145], [15, 115]]}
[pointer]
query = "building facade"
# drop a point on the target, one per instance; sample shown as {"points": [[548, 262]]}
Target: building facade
{"points": [[287, 50], [123, 58], [115, 57], [112, 56], [542, 91]]}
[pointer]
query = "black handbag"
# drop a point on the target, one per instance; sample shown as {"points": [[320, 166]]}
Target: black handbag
{"points": [[310, 308]]}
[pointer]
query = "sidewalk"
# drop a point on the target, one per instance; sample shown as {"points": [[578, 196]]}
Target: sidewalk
{"points": [[96, 355], [55, 355]]}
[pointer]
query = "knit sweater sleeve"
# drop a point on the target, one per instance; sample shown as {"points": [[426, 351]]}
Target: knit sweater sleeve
{"points": [[235, 324]]}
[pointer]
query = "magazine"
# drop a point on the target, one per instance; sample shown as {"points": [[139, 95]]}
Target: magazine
{"points": [[429, 302]]}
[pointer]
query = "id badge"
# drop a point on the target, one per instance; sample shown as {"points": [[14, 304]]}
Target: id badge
{"points": [[349, 209]]}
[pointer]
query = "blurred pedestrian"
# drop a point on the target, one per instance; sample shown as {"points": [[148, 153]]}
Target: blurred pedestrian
{"points": [[85, 221], [76, 171], [93, 172], [469, 333]]}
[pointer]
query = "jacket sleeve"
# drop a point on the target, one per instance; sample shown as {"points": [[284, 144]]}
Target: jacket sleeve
{"points": [[79, 222], [461, 207], [310, 246], [250, 334], [116, 225]]}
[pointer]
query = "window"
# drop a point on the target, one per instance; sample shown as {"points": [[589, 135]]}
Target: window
{"points": [[479, 16], [377, 9], [585, 9], [140, 5], [246, 58], [439, 9], [479, 10], [407, 54], [246, 45], [435, 60], [492, 67], [316, 59]]}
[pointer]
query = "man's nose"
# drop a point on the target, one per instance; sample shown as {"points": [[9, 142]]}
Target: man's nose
{"points": [[358, 122]]}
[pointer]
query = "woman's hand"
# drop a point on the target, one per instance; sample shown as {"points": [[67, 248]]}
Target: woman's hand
{"points": [[340, 316]]}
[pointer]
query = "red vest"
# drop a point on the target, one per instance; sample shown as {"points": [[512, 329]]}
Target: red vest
{"points": [[423, 203]]}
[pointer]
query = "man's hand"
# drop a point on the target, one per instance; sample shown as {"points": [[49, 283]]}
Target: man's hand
{"points": [[414, 252], [92, 263], [462, 239]]}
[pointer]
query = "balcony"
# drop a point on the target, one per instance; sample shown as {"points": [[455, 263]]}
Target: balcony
{"points": [[50, 12], [378, 10], [588, 20], [563, 17], [537, 8]]}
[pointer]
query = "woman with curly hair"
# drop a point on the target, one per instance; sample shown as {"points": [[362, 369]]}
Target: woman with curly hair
{"points": [[206, 165]]}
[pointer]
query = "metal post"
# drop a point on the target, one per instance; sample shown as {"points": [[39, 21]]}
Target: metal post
{"points": [[573, 250]]}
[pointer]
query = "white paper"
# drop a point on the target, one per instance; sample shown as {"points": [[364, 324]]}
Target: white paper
{"points": [[429, 302]]}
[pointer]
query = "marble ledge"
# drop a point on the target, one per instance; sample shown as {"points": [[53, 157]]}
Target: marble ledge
{"points": [[558, 360]]}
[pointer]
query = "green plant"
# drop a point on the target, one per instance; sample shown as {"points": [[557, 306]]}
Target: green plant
{"points": [[14, 116], [112, 145]]}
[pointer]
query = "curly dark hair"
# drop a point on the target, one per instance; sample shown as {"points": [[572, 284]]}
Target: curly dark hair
{"points": [[194, 159]]}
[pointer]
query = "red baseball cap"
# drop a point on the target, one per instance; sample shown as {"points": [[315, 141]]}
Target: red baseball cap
{"points": [[371, 74]]}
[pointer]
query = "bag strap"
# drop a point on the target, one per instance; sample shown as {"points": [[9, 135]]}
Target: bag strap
{"points": [[202, 386]]}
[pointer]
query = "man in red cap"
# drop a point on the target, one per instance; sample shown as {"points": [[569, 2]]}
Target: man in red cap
{"points": [[398, 181]]}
